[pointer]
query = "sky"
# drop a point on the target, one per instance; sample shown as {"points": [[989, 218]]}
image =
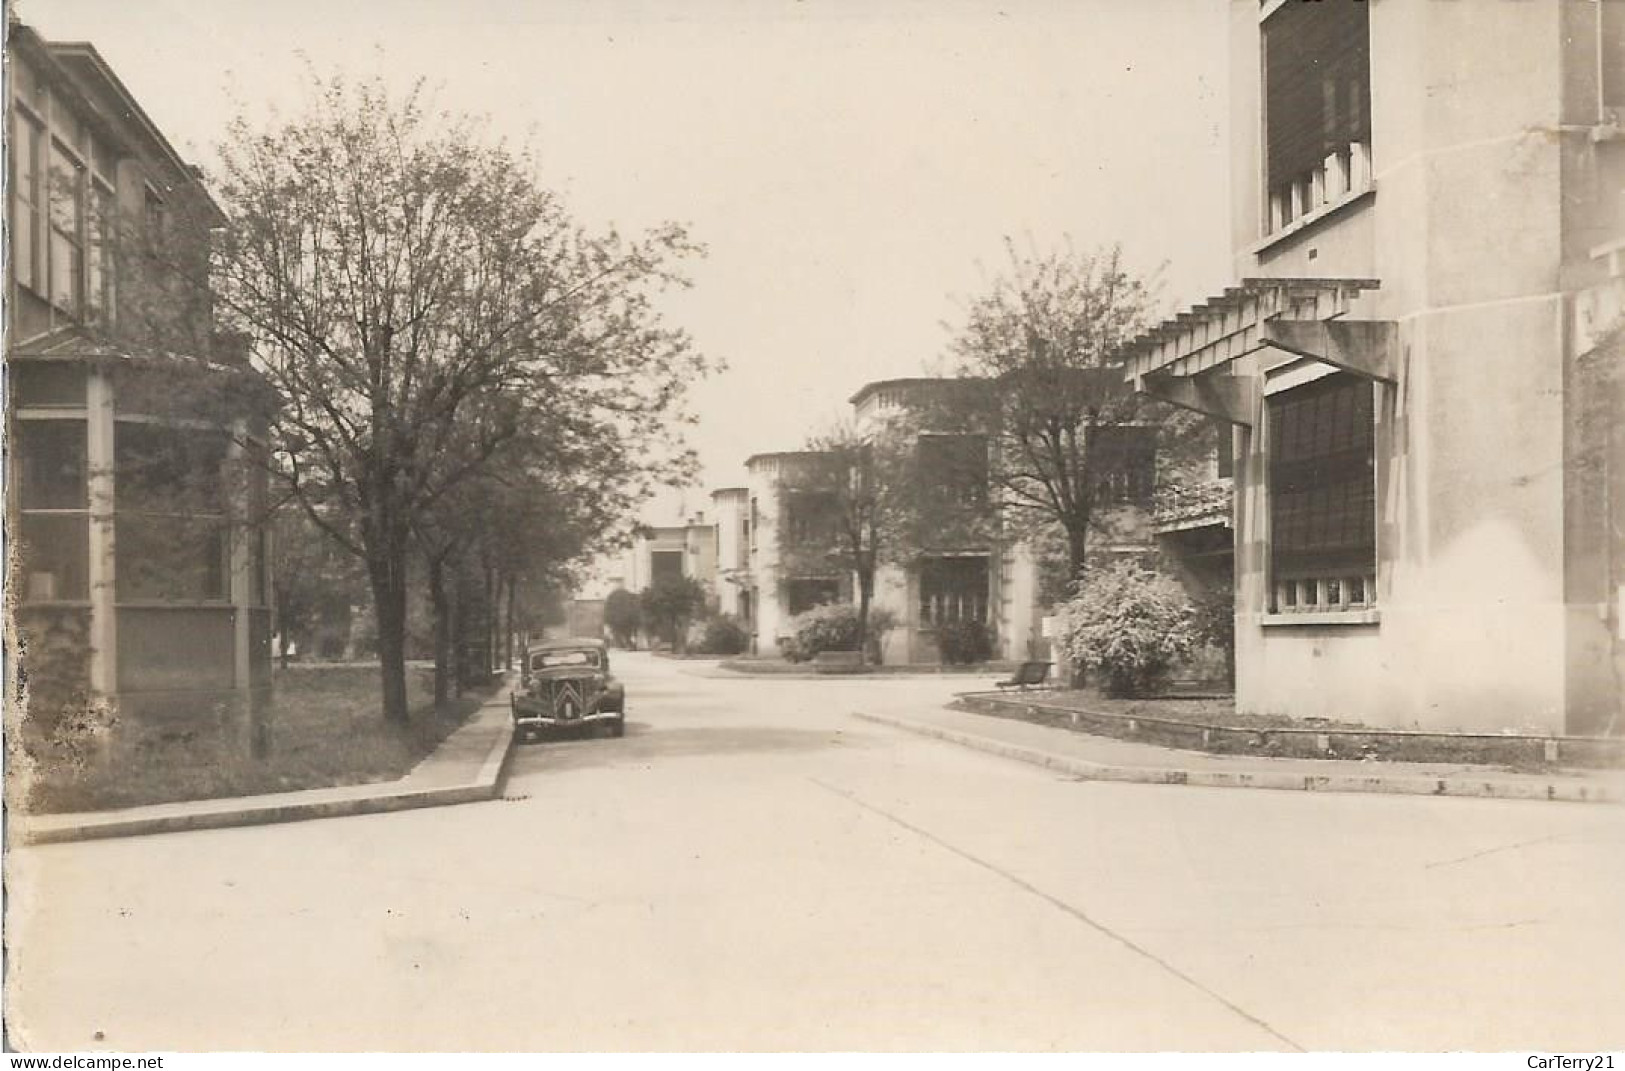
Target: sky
{"points": [[853, 168]]}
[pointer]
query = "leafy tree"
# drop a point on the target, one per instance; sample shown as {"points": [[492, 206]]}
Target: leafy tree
{"points": [[624, 617], [669, 604], [314, 582], [1041, 339], [415, 299], [861, 485]]}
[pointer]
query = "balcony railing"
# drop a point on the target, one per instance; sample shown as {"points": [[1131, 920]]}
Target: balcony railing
{"points": [[1192, 506], [1346, 171], [1325, 594]]}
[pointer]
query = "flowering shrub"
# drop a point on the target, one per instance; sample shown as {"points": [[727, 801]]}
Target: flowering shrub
{"points": [[1130, 624], [831, 627]]}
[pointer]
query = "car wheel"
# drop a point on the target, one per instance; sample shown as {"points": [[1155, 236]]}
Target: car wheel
{"points": [[618, 726]]}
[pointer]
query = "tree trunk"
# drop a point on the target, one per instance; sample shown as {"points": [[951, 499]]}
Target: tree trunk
{"points": [[459, 634], [866, 593], [507, 633], [1077, 554], [492, 594], [386, 568], [442, 632]]}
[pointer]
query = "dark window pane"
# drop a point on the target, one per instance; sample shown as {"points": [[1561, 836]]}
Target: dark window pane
{"points": [[162, 469], [665, 565], [805, 593], [51, 464], [953, 589], [810, 517], [1317, 85], [172, 559], [47, 385], [1321, 480], [953, 469], [54, 556]]}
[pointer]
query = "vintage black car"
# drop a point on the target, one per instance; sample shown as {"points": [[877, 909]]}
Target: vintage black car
{"points": [[566, 684]]}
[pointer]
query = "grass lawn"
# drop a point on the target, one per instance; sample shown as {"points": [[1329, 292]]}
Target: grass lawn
{"points": [[325, 730]]}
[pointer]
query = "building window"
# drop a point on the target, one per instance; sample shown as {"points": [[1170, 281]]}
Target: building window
{"points": [[170, 499], [1322, 492], [1123, 464], [67, 230], [154, 221], [51, 464], [809, 518], [173, 558], [47, 385], [665, 566], [1223, 450], [101, 228], [953, 470], [804, 593], [1317, 107], [26, 259], [52, 503], [953, 589], [54, 558]]}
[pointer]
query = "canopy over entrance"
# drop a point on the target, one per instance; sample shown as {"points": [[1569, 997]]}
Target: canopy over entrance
{"points": [[1188, 360]]}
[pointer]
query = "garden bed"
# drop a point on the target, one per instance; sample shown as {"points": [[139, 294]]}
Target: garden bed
{"points": [[321, 729], [1213, 725]]}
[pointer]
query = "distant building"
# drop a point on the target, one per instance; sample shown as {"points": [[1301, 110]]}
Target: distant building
{"points": [[779, 588], [673, 552], [964, 563], [1421, 362], [141, 565], [733, 589]]}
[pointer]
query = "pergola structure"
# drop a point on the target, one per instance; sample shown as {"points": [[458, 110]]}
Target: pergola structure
{"points": [[1188, 360]]}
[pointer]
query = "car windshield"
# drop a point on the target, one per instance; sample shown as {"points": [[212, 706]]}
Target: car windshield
{"points": [[553, 659]]}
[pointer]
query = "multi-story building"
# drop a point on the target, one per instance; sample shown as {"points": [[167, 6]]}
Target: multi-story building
{"points": [[734, 593], [962, 560], [1421, 361], [963, 564], [782, 583], [140, 571]]}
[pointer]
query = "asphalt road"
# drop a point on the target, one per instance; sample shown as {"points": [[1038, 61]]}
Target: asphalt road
{"points": [[750, 868]]}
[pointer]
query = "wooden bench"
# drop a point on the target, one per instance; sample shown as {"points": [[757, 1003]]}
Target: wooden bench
{"points": [[838, 662], [1027, 675]]}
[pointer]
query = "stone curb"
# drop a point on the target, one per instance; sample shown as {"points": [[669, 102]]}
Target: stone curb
{"points": [[1463, 786], [1597, 753], [302, 805]]}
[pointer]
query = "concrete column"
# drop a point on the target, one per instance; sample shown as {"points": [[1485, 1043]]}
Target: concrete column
{"points": [[101, 567]]}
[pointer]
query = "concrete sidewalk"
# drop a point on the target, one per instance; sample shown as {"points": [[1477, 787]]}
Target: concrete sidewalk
{"points": [[1098, 758], [466, 768]]}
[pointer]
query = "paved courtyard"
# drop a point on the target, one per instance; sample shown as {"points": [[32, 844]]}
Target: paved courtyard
{"points": [[752, 868]]}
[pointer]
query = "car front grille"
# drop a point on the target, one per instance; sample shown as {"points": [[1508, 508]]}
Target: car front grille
{"points": [[570, 699]]}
